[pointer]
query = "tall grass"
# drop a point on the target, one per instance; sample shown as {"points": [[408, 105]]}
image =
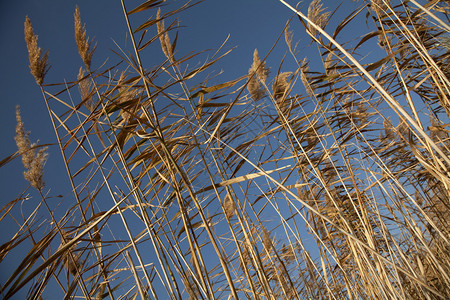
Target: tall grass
{"points": [[329, 180]]}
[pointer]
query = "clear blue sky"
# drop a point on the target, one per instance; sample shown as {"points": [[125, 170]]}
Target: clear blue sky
{"points": [[250, 23]]}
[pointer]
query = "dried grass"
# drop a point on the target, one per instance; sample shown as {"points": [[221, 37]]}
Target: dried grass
{"points": [[345, 164]]}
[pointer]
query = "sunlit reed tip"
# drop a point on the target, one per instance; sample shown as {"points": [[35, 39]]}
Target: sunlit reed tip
{"points": [[164, 39], [38, 60], [83, 44], [258, 70]]}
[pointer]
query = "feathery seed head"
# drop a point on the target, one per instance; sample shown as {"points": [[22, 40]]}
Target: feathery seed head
{"points": [[388, 129], [258, 70], [83, 44], [35, 173], [304, 69], [288, 37], [437, 133], [281, 85], [418, 197], [317, 16], [403, 128], [23, 141], [127, 94], [329, 65], [229, 205], [379, 6], [260, 67], [84, 86], [71, 260], [33, 163], [266, 239], [38, 61], [361, 113], [164, 39]]}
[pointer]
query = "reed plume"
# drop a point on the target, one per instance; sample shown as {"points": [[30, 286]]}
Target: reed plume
{"points": [[304, 77], [257, 73], [288, 36], [85, 48], [317, 15], [281, 85], [85, 89], [379, 6], [229, 206], [38, 60], [164, 38], [32, 161]]}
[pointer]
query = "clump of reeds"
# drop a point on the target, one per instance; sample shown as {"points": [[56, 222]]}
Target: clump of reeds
{"points": [[347, 169]]}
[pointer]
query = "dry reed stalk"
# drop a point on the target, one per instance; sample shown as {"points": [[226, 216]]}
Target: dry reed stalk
{"points": [[84, 46], [71, 260], [32, 161], [38, 61]]}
